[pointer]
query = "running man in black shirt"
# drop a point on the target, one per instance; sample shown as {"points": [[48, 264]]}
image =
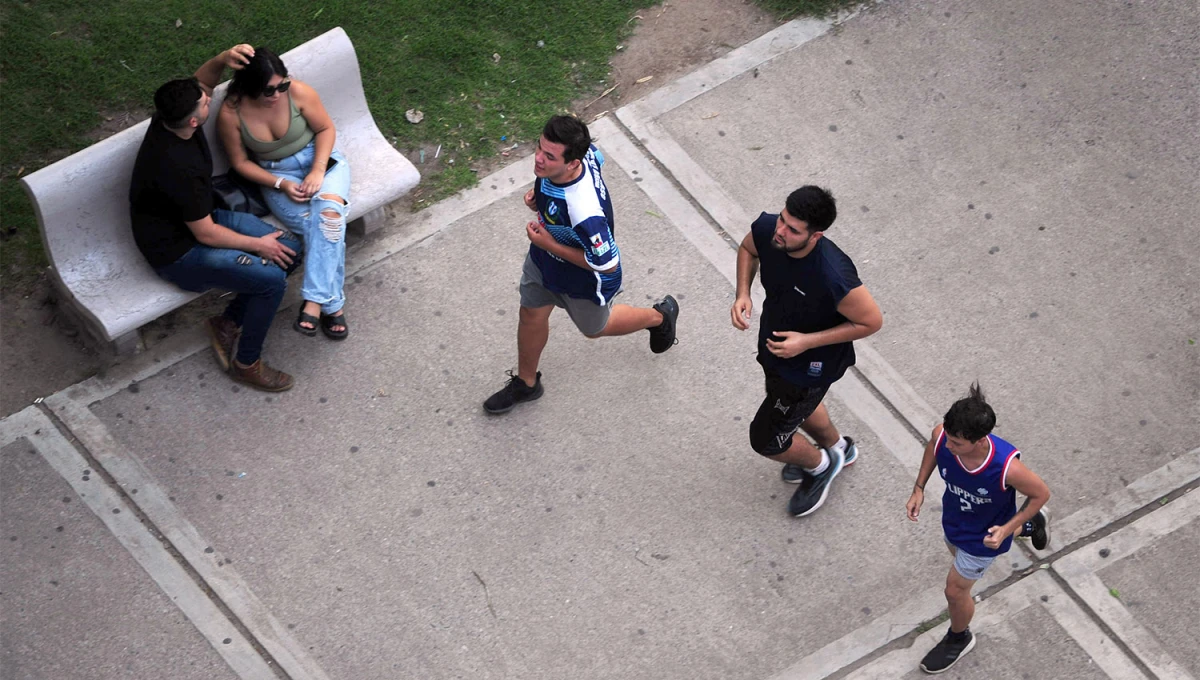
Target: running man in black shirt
{"points": [[815, 307], [197, 248]]}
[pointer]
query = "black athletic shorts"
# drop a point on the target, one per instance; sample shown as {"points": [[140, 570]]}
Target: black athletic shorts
{"points": [[785, 407]]}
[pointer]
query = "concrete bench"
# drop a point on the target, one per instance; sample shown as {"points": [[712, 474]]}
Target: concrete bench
{"points": [[82, 201]]}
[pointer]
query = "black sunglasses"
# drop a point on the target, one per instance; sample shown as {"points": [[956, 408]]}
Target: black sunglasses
{"points": [[270, 90]]}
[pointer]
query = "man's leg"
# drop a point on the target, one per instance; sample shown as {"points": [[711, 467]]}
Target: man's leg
{"points": [[623, 320], [773, 435], [959, 601], [959, 640], [533, 331]]}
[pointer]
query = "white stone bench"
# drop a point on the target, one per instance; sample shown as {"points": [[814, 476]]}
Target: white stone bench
{"points": [[82, 201]]}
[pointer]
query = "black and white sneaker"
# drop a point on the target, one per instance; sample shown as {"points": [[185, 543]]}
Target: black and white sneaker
{"points": [[947, 652], [662, 336], [814, 488], [794, 474], [1038, 529], [515, 392]]}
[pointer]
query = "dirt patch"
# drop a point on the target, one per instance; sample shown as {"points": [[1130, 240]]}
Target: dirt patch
{"points": [[673, 39], [43, 352]]}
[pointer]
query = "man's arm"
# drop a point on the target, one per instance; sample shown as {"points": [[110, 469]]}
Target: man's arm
{"points": [[1036, 494], [747, 267], [215, 235], [209, 75], [928, 463], [544, 240], [862, 319]]}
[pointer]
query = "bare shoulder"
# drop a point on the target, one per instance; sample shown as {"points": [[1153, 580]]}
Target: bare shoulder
{"points": [[303, 93]]}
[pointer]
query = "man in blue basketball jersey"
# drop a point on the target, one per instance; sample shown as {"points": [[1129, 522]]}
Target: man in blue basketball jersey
{"points": [[983, 474], [815, 308], [573, 260]]}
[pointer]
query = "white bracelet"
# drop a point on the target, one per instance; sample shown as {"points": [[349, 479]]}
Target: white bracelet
{"points": [[278, 181]]}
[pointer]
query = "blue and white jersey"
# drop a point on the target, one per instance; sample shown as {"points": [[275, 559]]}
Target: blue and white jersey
{"points": [[977, 500], [579, 215]]}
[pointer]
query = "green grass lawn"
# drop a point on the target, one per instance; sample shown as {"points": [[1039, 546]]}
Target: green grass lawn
{"points": [[68, 64]]}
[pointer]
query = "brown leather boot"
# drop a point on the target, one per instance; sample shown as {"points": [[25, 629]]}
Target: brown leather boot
{"points": [[223, 335], [260, 376]]}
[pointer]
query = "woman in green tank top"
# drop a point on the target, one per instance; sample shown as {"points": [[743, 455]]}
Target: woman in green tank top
{"points": [[277, 133]]}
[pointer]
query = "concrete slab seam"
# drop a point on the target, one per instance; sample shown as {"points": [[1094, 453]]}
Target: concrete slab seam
{"points": [[153, 502], [778, 41], [1027, 592], [1078, 571], [1152, 486], [113, 511]]}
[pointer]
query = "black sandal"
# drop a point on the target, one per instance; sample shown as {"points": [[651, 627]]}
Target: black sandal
{"points": [[306, 318], [328, 322]]}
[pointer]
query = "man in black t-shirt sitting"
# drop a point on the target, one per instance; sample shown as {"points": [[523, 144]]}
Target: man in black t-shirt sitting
{"points": [[815, 307], [198, 248]]}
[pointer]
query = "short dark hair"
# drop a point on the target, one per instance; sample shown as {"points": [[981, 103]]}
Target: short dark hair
{"points": [[176, 101], [814, 206], [970, 417], [251, 79], [571, 133]]}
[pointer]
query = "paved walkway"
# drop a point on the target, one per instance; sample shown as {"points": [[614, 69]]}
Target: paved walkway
{"points": [[1016, 212]]}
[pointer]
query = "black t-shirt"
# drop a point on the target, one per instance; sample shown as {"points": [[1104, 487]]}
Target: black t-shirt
{"points": [[803, 295], [172, 184]]}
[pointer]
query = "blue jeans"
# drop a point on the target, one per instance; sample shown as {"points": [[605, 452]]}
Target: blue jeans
{"points": [[324, 237], [259, 286]]}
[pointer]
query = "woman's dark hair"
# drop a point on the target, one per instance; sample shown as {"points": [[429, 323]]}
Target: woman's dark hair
{"points": [[814, 206], [970, 418], [176, 101], [571, 133], [252, 79]]}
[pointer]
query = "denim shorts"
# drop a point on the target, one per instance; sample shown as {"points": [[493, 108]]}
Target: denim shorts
{"points": [[970, 567], [589, 317]]}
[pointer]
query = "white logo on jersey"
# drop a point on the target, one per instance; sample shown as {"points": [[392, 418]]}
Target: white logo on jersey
{"points": [[779, 405], [982, 491]]}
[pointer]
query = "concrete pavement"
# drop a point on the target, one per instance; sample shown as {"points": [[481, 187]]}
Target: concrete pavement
{"points": [[374, 523]]}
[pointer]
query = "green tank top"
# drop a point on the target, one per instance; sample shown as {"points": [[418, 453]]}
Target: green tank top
{"points": [[298, 135]]}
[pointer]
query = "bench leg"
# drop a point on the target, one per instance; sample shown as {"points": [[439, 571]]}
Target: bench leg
{"points": [[130, 343], [371, 222]]}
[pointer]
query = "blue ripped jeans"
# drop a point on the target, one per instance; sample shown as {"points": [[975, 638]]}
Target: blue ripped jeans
{"points": [[259, 285], [324, 236]]}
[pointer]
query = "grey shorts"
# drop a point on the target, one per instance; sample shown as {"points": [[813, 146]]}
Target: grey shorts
{"points": [[970, 567], [589, 317]]}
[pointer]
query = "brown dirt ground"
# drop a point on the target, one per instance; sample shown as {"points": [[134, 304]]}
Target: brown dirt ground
{"points": [[42, 351]]}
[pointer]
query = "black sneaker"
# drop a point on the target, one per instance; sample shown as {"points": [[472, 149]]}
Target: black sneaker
{"points": [[813, 488], [948, 652], [515, 392], [662, 336], [794, 474], [1038, 530]]}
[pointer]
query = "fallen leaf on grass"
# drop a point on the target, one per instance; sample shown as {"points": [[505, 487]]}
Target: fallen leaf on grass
{"points": [[414, 116], [496, 57], [318, 13], [178, 23]]}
